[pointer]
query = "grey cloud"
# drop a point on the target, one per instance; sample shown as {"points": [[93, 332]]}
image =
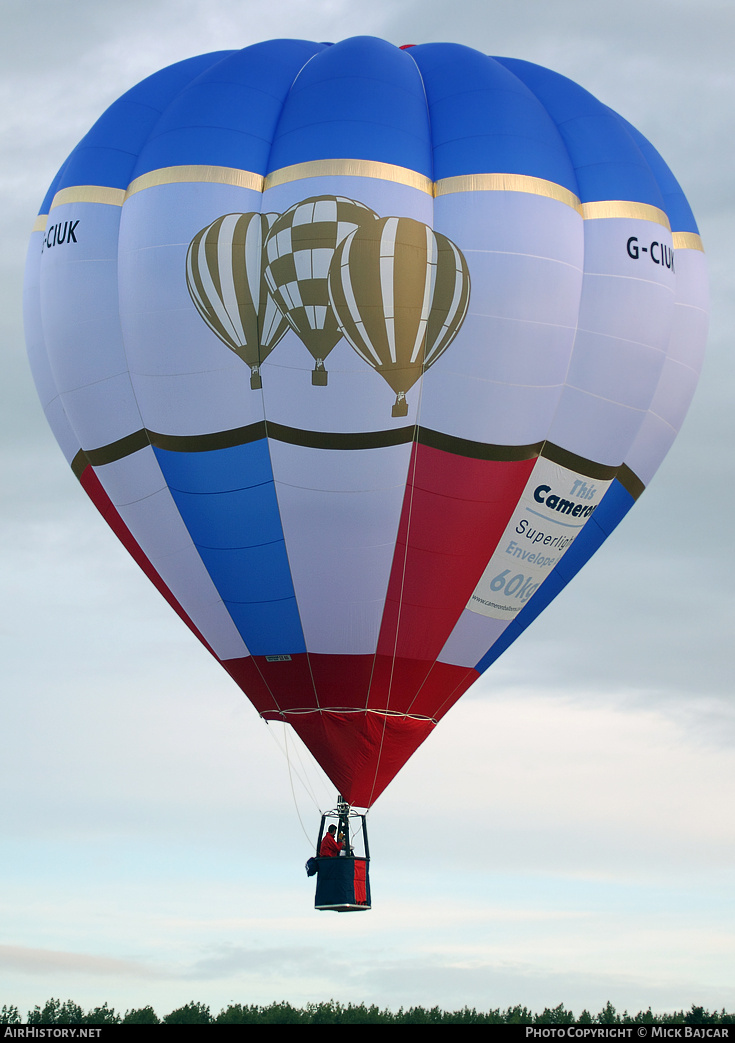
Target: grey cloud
{"points": [[41, 962], [284, 963]]}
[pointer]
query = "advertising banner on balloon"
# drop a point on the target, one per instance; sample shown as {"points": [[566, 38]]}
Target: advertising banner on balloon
{"points": [[552, 511]]}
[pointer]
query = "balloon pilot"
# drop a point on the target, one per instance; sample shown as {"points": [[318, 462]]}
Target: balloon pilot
{"points": [[343, 883], [331, 846]]}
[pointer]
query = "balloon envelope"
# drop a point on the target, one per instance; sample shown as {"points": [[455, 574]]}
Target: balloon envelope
{"points": [[355, 571]]}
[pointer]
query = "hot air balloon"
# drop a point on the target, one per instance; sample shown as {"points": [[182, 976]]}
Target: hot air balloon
{"points": [[225, 279], [399, 292], [355, 571], [298, 253]]}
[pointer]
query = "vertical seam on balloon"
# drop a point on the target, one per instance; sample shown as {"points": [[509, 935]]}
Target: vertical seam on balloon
{"points": [[414, 466], [256, 664], [284, 101], [433, 205], [415, 451], [584, 243], [285, 548], [455, 306], [431, 240]]}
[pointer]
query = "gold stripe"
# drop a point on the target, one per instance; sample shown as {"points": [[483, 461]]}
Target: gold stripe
{"points": [[687, 241], [623, 208], [197, 175], [89, 194], [39, 225], [350, 168], [536, 186]]}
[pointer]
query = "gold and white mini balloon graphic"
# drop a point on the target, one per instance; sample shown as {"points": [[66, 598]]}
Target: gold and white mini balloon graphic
{"points": [[400, 292], [224, 274]]}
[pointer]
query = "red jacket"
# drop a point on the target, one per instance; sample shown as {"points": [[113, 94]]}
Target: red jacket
{"points": [[329, 848]]}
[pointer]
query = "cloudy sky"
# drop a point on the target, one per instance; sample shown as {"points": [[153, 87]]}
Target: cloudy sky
{"points": [[566, 835]]}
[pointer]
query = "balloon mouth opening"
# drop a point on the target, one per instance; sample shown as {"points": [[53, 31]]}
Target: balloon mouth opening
{"points": [[400, 406]]}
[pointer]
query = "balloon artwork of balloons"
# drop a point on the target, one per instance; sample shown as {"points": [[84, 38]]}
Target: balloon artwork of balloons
{"points": [[225, 280], [362, 352]]}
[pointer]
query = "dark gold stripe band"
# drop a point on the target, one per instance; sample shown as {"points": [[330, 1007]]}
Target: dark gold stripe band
{"points": [[79, 464], [630, 481], [347, 440], [126, 446], [578, 464], [294, 436], [351, 441]]}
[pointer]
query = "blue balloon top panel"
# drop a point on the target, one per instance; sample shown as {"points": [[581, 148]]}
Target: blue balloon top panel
{"points": [[442, 110]]}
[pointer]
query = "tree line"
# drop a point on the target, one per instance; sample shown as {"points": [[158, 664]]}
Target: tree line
{"points": [[54, 1012]]}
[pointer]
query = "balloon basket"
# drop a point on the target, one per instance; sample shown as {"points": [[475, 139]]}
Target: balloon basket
{"points": [[319, 378], [343, 881], [256, 382], [400, 407], [342, 885]]}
